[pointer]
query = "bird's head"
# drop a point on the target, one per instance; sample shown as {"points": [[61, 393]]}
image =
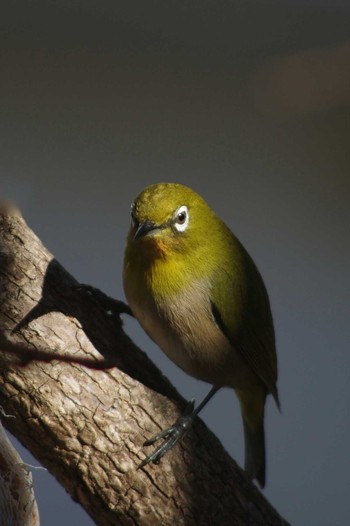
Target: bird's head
{"points": [[168, 218]]}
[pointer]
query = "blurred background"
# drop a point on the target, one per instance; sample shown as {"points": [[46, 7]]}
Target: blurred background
{"points": [[249, 104]]}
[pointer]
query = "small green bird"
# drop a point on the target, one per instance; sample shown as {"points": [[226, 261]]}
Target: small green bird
{"points": [[198, 294]]}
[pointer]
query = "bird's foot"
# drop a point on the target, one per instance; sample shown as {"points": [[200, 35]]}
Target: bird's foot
{"points": [[171, 436]]}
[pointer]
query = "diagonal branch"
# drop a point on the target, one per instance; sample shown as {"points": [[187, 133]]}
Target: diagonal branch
{"points": [[85, 398]]}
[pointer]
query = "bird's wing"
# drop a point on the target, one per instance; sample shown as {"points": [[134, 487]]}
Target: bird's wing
{"points": [[241, 309]]}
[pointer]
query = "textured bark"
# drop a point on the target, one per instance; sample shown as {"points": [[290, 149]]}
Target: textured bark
{"points": [[18, 506], [85, 398]]}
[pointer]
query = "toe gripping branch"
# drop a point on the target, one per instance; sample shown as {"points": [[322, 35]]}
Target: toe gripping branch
{"points": [[175, 432], [171, 436]]}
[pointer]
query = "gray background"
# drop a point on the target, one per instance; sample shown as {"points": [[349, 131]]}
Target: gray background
{"points": [[249, 104]]}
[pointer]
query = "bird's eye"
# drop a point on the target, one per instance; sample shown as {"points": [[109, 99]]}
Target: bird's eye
{"points": [[181, 219]]}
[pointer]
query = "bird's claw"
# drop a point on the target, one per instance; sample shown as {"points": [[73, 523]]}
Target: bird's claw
{"points": [[171, 435]]}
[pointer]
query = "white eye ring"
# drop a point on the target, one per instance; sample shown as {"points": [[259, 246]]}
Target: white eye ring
{"points": [[181, 219]]}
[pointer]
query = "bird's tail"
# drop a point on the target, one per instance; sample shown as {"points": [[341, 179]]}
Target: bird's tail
{"points": [[252, 407], [254, 462]]}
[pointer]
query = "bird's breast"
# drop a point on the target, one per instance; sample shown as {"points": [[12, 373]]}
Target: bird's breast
{"points": [[183, 326]]}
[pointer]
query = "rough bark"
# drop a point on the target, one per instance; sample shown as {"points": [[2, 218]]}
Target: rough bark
{"points": [[18, 506], [85, 398]]}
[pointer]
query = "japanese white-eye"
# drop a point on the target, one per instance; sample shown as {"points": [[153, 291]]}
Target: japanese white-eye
{"points": [[198, 294]]}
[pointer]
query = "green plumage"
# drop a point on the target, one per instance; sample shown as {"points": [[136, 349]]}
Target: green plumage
{"points": [[240, 298], [198, 294]]}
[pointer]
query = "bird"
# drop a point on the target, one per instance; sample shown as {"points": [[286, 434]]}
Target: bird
{"points": [[198, 294]]}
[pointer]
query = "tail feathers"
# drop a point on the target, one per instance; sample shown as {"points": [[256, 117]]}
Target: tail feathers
{"points": [[255, 452]]}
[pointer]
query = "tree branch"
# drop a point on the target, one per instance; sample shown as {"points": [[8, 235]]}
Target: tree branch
{"points": [[85, 398], [18, 506]]}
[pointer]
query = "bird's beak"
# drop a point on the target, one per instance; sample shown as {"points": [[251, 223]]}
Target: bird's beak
{"points": [[144, 228]]}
